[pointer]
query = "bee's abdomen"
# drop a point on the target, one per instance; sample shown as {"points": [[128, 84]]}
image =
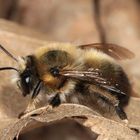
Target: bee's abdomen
{"points": [[114, 76]]}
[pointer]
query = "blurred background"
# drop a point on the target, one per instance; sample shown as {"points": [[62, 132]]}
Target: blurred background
{"points": [[81, 21], [75, 21]]}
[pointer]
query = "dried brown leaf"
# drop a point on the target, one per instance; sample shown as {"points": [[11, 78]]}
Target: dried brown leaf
{"points": [[98, 124], [44, 114]]}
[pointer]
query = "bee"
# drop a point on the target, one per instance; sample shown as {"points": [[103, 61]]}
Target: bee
{"points": [[84, 74]]}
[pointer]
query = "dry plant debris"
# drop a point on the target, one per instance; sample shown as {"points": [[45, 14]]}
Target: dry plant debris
{"points": [[105, 128]]}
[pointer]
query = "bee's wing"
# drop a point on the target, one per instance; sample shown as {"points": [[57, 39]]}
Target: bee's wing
{"points": [[92, 77], [112, 50]]}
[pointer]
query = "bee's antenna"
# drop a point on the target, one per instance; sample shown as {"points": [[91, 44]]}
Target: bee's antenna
{"points": [[8, 53], [8, 68]]}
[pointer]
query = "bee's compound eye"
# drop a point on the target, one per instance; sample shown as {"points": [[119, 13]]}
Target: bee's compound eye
{"points": [[25, 84], [54, 71]]}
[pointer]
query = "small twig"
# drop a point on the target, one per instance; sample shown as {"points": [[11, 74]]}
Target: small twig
{"points": [[97, 19]]}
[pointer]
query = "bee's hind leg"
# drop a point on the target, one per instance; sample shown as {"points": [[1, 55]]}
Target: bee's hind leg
{"points": [[123, 116], [120, 112]]}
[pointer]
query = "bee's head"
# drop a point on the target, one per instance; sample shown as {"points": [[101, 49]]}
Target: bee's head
{"points": [[28, 76], [28, 80]]}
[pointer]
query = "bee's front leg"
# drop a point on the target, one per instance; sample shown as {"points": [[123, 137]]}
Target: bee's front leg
{"points": [[35, 103], [30, 107], [55, 101]]}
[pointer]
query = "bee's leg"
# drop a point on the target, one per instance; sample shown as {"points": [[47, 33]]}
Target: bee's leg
{"points": [[55, 100], [31, 106], [121, 113], [123, 116], [110, 100], [65, 88], [118, 108]]}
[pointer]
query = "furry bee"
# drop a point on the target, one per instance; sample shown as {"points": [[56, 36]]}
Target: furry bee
{"points": [[84, 74]]}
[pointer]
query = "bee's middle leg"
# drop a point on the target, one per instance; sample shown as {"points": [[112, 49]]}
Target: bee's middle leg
{"points": [[55, 101]]}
